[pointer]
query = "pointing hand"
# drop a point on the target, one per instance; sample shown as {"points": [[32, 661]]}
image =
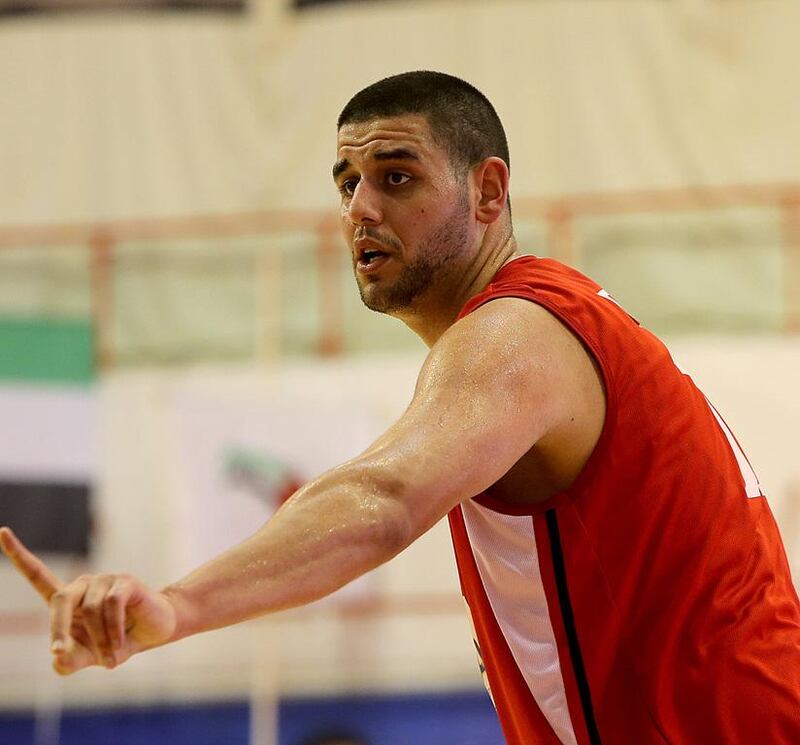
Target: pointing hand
{"points": [[98, 619]]}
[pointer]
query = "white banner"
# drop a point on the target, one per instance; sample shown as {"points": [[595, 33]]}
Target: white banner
{"points": [[238, 458]]}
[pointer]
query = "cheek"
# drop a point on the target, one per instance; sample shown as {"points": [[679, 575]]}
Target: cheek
{"points": [[420, 218], [346, 231]]}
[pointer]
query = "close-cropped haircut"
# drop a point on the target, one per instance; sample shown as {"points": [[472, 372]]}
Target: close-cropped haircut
{"points": [[462, 120]]}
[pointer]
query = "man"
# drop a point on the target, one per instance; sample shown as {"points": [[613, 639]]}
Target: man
{"points": [[624, 574]]}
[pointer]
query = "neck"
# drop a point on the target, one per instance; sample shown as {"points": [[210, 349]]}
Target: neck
{"points": [[435, 312]]}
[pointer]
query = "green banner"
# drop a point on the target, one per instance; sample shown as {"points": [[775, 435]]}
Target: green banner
{"points": [[46, 350]]}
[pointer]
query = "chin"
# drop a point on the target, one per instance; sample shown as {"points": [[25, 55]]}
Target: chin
{"points": [[393, 297], [376, 302]]}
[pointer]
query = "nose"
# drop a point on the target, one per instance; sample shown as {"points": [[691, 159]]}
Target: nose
{"points": [[364, 207]]}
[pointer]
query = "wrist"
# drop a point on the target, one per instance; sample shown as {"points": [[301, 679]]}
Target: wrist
{"points": [[183, 612]]}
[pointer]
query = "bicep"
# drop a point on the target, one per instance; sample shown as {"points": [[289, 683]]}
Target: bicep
{"points": [[489, 390]]}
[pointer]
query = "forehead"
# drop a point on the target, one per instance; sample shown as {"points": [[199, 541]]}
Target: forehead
{"points": [[360, 140]]}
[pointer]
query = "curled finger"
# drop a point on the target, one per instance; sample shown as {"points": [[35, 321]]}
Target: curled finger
{"points": [[114, 610], [93, 612], [63, 604]]}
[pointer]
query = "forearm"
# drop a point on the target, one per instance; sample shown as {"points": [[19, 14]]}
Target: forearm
{"points": [[330, 532]]}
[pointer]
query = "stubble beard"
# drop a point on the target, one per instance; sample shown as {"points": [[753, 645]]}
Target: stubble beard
{"points": [[434, 264]]}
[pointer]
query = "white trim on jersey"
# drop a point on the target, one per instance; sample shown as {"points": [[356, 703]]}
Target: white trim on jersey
{"points": [[751, 485], [505, 553]]}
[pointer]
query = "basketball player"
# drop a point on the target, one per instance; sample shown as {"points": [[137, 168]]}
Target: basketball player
{"points": [[625, 577]]}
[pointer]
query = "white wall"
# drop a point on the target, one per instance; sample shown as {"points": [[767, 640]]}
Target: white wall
{"points": [[118, 115]]}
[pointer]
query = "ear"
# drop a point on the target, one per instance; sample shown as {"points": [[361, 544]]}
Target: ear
{"points": [[490, 178]]}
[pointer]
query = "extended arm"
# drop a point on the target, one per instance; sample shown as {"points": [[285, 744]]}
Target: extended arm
{"points": [[490, 388], [481, 402]]}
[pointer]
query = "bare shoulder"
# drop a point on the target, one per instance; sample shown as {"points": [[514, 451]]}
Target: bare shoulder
{"points": [[525, 365], [499, 384], [510, 342]]}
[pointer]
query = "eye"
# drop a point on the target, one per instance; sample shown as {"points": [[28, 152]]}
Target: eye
{"points": [[348, 187], [396, 178]]}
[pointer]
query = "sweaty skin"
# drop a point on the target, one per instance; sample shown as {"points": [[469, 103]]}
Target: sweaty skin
{"points": [[506, 399]]}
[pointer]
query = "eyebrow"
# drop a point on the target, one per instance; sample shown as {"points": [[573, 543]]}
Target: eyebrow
{"points": [[397, 153]]}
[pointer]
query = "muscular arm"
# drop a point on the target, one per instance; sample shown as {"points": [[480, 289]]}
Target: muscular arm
{"points": [[487, 392], [494, 384]]}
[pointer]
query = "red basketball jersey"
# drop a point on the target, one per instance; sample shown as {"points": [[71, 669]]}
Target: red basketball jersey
{"points": [[651, 602]]}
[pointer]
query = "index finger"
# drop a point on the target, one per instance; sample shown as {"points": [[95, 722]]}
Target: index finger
{"points": [[29, 565]]}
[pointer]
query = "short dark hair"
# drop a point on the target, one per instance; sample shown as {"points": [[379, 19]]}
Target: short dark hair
{"points": [[462, 120]]}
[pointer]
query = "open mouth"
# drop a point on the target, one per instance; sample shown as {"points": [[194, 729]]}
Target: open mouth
{"points": [[371, 258], [370, 255]]}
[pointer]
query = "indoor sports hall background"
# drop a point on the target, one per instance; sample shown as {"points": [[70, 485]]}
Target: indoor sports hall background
{"points": [[181, 343]]}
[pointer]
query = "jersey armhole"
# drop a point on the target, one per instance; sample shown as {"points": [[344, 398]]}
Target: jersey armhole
{"points": [[606, 377]]}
